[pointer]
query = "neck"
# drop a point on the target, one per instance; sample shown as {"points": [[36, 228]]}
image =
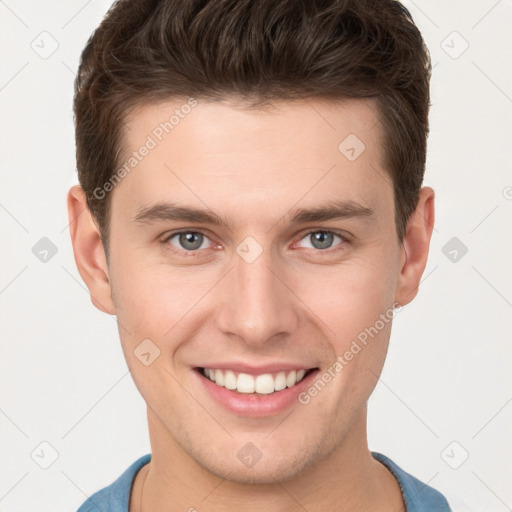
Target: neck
{"points": [[349, 477]]}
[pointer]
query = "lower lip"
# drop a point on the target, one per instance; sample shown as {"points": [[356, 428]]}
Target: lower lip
{"points": [[252, 404]]}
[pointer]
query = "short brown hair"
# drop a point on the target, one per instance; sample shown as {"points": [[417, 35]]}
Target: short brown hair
{"points": [[151, 50]]}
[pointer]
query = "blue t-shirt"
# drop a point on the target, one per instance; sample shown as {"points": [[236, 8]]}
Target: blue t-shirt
{"points": [[418, 497]]}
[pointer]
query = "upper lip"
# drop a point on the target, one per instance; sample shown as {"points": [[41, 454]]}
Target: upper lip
{"points": [[240, 367]]}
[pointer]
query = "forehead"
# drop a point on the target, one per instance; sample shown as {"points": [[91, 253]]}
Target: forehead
{"points": [[229, 156], [228, 122]]}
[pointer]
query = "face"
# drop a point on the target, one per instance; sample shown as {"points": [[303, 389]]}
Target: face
{"points": [[257, 249]]}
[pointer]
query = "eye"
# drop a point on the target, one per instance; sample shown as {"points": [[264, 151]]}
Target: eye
{"points": [[323, 239], [187, 241]]}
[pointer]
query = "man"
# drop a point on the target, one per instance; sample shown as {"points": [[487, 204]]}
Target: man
{"points": [[250, 208]]}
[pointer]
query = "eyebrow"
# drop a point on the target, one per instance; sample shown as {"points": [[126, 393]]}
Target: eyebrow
{"points": [[165, 212]]}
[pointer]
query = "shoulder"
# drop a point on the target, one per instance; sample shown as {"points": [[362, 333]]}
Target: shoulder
{"points": [[116, 496], [418, 496]]}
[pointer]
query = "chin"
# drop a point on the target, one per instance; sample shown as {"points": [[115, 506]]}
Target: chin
{"points": [[264, 473], [271, 468]]}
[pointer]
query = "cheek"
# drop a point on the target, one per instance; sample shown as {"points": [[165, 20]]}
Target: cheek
{"points": [[144, 311], [165, 306], [154, 298], [148, 309], [353, 308], [349, 298]]}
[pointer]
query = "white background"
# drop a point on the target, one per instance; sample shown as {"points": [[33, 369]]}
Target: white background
{"points": [[63, 378]]}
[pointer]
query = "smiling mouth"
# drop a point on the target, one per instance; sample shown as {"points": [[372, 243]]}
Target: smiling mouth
{"points": [[264, 384]]}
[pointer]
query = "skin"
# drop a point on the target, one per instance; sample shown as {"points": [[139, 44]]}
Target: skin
{"points": [[295, 302]]}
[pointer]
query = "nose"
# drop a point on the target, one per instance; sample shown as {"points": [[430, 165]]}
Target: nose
{"points": [[257, 304]]}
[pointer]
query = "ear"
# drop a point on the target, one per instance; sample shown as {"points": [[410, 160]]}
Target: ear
{"points": [[415, 247], [88, 250]]}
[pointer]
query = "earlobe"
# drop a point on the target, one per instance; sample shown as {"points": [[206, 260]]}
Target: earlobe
{"points": [[88, 250], [415, 247]]}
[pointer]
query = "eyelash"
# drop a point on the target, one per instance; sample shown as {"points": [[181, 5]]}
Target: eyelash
{"points": [[195, 253]]}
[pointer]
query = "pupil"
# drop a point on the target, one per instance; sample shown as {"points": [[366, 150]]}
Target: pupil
{"points": [[188, 238], [323, 238]]}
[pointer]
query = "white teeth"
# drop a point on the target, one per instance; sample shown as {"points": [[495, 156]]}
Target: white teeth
{"points": [[245, 383], [280, 381], [230, 380], [264, 384], [291, 379], [219, 377]]}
